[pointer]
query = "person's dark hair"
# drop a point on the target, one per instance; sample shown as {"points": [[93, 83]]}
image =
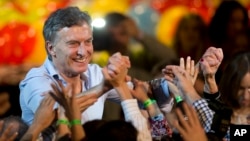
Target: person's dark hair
{"points": [[92, 126], [219, 22], [115, 130], [61, 18], [102, 36], [19, 126], [234, 72], [202, 28]]}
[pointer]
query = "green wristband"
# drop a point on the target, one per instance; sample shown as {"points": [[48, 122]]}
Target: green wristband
{"points": [[62, 121], [148, 102], [75, 122], [178, 99]]}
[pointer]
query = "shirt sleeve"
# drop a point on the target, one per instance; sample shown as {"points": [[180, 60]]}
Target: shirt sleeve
{"points": [[132, 114], [33, 91], [205, 114], [159, 127]]}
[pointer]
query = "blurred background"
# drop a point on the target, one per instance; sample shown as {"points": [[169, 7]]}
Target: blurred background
{"points": [[22, 45]]}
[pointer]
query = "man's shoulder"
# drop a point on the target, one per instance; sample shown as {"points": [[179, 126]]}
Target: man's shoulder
{"points": [[35, 73], [94, 68]]}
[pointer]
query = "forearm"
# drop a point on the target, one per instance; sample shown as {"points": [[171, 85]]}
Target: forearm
{"points": [[32, 134], [132, 114], [124, 91], [210, 84], [78, 132]]}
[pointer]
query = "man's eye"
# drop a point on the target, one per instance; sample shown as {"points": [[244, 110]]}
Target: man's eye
{"points": [[73, 43], [89, 41]]}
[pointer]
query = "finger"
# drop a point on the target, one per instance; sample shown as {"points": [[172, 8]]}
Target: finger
{"points": [[6, 132], [48, 100], [179, 128], [183, 122], [173, 88], [84, 105], [105, 73], [219, 54], [127, 61], [169, 78], [192, 68], [55, 97], [179, 72], [56, 89], [188, 114], [182, 63], [188, 63], [13, 136], [193, 115], [113, 69]]}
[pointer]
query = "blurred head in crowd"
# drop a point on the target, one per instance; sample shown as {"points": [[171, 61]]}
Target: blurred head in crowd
{"points": [[115, 35], [235, 82], [228, 27], [190, 35], [114, 130], [18, 125]]}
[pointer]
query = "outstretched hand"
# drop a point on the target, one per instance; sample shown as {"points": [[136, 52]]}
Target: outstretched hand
{"points": [[65, 96], [189, 66], [187, 124], [182, 81], [6, 134]]}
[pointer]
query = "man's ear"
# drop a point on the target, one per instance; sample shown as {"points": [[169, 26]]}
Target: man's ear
{"points": [[50, 48]]}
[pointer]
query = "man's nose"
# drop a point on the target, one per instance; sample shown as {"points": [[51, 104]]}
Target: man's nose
{"points": [[81, 50]]}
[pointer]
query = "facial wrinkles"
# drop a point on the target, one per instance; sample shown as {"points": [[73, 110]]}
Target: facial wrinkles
{"points": [[74, 53]]}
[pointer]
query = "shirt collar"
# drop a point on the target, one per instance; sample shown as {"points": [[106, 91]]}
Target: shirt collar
{"points": [[54, 73]]}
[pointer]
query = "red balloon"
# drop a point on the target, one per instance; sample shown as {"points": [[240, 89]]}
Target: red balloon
{"points": [[17, 42], [161, 5]]}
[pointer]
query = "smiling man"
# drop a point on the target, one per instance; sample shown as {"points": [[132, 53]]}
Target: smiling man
{"points": [[68, 42]]}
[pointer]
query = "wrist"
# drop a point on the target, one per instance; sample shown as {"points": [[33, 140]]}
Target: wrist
{"points": [[75, 122], [62, 122], [210, 86], [148, 102]]}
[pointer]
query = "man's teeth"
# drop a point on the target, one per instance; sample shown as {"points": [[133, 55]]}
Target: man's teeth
{"points": [[81, 60]]}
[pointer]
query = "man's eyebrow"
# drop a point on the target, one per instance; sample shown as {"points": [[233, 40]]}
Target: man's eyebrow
{"points": [[70, 41]]}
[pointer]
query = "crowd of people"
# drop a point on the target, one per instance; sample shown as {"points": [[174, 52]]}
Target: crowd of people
{"points": [[192, 91]]}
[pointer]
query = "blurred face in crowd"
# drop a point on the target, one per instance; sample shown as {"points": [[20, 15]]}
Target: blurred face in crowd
{"points": [[244, 92], [236, 23], [189, 34], [120, 37], [72, 49]]}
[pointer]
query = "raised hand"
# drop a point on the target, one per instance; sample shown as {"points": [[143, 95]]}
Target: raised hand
{"points": [[209, 65], [190, 68], [116, 70], [140, 90], [211, 61], [65, 96], [189, 124], [183, 81]]}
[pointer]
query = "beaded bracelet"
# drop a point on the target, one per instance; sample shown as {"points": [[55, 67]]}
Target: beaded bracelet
{"points": [[148, 102], [62, 121]]}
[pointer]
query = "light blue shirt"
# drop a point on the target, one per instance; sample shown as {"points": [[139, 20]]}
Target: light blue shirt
{"points": [[37, 82]]}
